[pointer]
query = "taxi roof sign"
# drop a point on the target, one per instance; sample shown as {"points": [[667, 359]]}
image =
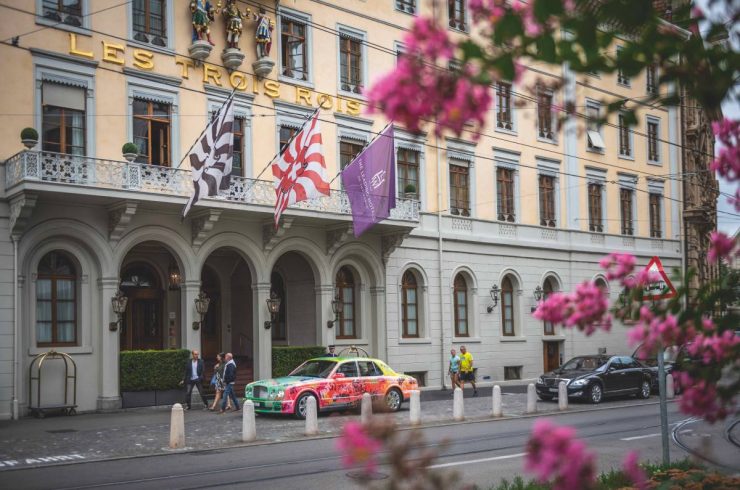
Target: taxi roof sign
{"points": [[657, 290]]}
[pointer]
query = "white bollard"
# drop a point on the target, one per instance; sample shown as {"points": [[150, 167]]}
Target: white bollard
{"points": [[249, 426], [366, 409], [312, 419], [415, 408], [562, 396], [458, 412], [177, 427], [670, 387], [497, 408], [531, 399]]}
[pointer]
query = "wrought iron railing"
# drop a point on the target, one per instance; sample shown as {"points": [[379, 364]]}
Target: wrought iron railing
{"points": [[36, 166]]}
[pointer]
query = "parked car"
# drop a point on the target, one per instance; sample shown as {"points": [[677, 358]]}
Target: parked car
{"points": [[596, 377], [335, 383]]}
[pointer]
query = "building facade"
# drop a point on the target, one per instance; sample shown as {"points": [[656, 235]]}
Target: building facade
{"points": [[527, 208]]}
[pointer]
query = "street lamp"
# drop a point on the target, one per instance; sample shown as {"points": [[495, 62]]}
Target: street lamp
{"points": [[538, 292], [336, 307], [173, 276], [273, 306], [201, 306], [118, 302], [494, 296]]}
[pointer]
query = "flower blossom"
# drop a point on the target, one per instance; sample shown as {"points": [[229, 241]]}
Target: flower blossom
{"points": [[721, 246], [585, 308], [487, 10], [555, 455], [714, 349], [358, 448], [633, 471], [653, 331], [618, 266], [727, 162], [700, 398]]}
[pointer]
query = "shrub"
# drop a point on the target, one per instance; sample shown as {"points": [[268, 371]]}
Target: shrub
{"points": [[129, 148], [409, 189], [29, 134], [143, 370], [286, 359]]}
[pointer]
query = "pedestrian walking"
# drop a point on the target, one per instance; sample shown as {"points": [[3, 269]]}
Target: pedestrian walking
{"points": [[217, 381], [331, 352], [229, 381], [466, 369], [194, 378], [454, 370]]}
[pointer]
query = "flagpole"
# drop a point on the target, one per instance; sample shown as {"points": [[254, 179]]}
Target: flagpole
{"points": [[361, 152], [187, 153]]}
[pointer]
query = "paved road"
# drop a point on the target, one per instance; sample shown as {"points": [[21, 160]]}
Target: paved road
{"points": [[482, 452]]}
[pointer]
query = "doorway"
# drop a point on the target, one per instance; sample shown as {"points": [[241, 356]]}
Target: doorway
{"points": [[210, 333], [143, 326], [551, 355]]}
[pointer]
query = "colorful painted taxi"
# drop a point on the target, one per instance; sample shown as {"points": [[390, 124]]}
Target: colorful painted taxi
{"points": [[335, 382]]}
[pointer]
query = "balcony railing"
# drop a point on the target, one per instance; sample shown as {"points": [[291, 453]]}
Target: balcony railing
{"points": [[36, 166]]}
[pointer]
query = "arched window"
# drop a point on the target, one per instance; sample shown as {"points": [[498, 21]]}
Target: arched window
{"points": [[409, 305], [347, 314], [139, 276], [601, 284], [507, 307], [56, 300], [547, 290], [461, 307]]}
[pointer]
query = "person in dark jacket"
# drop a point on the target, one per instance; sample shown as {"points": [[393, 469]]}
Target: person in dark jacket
{"points": [[194, 377], [331, 352], [229, 381]]}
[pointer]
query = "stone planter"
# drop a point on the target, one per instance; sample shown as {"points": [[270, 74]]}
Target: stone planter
{"points": [[232, 58], [263, 67], [200, 50], [29, 143], [130, 156], [409, 195]]}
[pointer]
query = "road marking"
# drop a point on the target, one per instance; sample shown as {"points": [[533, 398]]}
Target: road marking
{"points": [[473, 461], [634, 438]]}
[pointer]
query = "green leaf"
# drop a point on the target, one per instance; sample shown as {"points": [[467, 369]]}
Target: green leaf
{"points": [[546, 48]]}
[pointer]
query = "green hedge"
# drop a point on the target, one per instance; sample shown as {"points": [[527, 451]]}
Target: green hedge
{"points": [[286, 359], [143, 370]]}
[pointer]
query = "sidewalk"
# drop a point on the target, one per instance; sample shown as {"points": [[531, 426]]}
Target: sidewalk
{"points": [[137, 432]]}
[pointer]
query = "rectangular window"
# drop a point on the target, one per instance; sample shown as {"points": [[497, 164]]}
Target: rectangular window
{"points": [[286, 133], [459, 190], [547, 200], [622, 79], [149, 23], [625, 198], [651, 79], [544, 115], [652, 137], [152, 131], [625, 146], [503, 106], [593, 126], [419, 376], [456, 13], [655, 213], [407, 162], [512, 372], [294, 48], [350, 63], [348, 150], [237, 166], [67, 12], [594, 207], [505, 194], [63, 119], [408, 6]]}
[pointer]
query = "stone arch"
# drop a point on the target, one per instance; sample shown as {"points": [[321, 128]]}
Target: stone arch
{"points": [[517, 278], [362, 254], [601, 277], [557, 282], [244, 246], [169, 239], [417, 269], [467, 273], [309, 250]]}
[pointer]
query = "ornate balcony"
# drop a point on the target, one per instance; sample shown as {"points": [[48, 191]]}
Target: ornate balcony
{"points": [[34, 167]]}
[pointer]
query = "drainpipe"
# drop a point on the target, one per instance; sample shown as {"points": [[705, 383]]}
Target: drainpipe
{"points": [[14, 404], [439, 256]]}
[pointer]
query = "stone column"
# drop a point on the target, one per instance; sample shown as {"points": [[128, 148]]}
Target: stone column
{"points": [[262, 337], [188, 292], [378, 322], [324, 294], [110, 344]]}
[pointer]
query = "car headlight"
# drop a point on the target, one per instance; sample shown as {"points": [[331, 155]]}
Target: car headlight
{"points": [[540, 380], [272, 395], [248, 391], [579, 382], [280, 394]]}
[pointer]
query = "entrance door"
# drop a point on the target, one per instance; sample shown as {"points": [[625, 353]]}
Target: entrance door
{"points": [[143, 328], [210, 332], [551, 355]]}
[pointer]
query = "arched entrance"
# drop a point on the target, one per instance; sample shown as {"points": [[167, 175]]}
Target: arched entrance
{"points": [[210, 330], [292, 279], [143, 325]]}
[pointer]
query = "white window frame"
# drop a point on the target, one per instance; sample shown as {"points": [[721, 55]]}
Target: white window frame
{"points": [[243, 109], [550, 168], [415, 8], [146, 88], [83, 29], [519, 320], [291, 116], [461, 153], [466, 18], [655, 82], [353, 129], [553, 115], [595, 137], [413, 142], [512, 109], [360, 36], [628, 181], [170, 21], [473, 305], [598, 176], [507, 159], [422, 305], [656, 186], [306, 20], [653, 120], [627, 81], [630, 140]]}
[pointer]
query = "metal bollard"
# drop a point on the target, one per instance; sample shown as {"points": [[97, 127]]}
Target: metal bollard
{"points": [[497, 408], [366, 409], [415, 408], [458, 411], [531, 399], [177, 427], [670, 387], [312, 419], [249, 426], [562, 396]]}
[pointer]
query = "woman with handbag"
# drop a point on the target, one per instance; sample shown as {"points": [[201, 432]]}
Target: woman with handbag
{"points": [[217, 381]]}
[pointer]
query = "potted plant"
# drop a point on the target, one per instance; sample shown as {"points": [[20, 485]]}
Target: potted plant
{"points": [[410, 191], [29, 137], [130, 151]]}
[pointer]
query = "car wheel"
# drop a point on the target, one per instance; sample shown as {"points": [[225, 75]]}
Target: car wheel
{"points": [[595, 393], [393, 400], [301, 405], [645, 390], [545, 398]]}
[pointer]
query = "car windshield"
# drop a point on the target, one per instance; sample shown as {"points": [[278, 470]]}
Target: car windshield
{"points": [[579, 363], [314, 369]]}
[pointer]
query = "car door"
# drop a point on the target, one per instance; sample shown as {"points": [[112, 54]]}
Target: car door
{"points": [[370, 378], [345, 386], [634, 374], [613, 376]]}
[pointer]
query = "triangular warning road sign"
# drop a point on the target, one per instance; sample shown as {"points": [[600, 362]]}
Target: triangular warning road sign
{"points": [[657, 290]]}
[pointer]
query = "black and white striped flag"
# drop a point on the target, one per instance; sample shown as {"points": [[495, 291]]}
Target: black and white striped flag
{"points": [[211, 158]]}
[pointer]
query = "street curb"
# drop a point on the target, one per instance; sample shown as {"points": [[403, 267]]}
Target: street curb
{"points": [[332, 436]]}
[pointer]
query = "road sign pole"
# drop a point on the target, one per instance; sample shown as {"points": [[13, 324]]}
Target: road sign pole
{"points": [[663, 407]]}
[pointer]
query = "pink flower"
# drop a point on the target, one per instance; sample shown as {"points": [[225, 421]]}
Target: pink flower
{"points": [[700, 398], [632, 469], [555, 455], [727, 162], [487, 10], [721, 246], [585, 308], [714, 349], [617, 265], [358, 448], [554, 309]]}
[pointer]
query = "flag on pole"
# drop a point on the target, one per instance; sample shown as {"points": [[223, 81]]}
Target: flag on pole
{"points": [[299, 172], [370, 182], [212, 157]]}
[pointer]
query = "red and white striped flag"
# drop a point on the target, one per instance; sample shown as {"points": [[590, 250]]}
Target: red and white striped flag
{"points": [[300, 171]]}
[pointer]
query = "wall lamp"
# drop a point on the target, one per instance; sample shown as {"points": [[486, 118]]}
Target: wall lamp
{"points": [[494, 296], [273, 306], [201, 306], [119, 302], [336, 307], [538, 292]]}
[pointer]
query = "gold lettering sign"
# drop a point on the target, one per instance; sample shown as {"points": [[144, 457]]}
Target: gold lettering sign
{"points": [[110, 52], [143, 60], [73, 47]]}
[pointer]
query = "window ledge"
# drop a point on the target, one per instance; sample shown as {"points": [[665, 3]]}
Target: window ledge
{"points": [[594, 150], [553, 338], [352, 95], [296, 81], [625, 85], [411, 340], [513, 339], [413, 14], [626, 157], [151, 47], [511, 132], [78, 349], [84, 30], [548, 141], [468, 340], [655, 163]]}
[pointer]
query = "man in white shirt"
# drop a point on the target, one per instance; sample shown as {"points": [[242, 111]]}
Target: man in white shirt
{"points": [[194, 377]]}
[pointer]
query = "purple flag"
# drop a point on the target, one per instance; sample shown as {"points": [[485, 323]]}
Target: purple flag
{"points": [[370, 182]]}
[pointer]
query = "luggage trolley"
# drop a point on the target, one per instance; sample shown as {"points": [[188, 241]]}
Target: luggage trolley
{"points": [[38, 362], [353, 351]]}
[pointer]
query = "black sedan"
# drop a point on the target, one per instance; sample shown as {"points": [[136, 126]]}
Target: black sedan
{"points": [[596, 377]]}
